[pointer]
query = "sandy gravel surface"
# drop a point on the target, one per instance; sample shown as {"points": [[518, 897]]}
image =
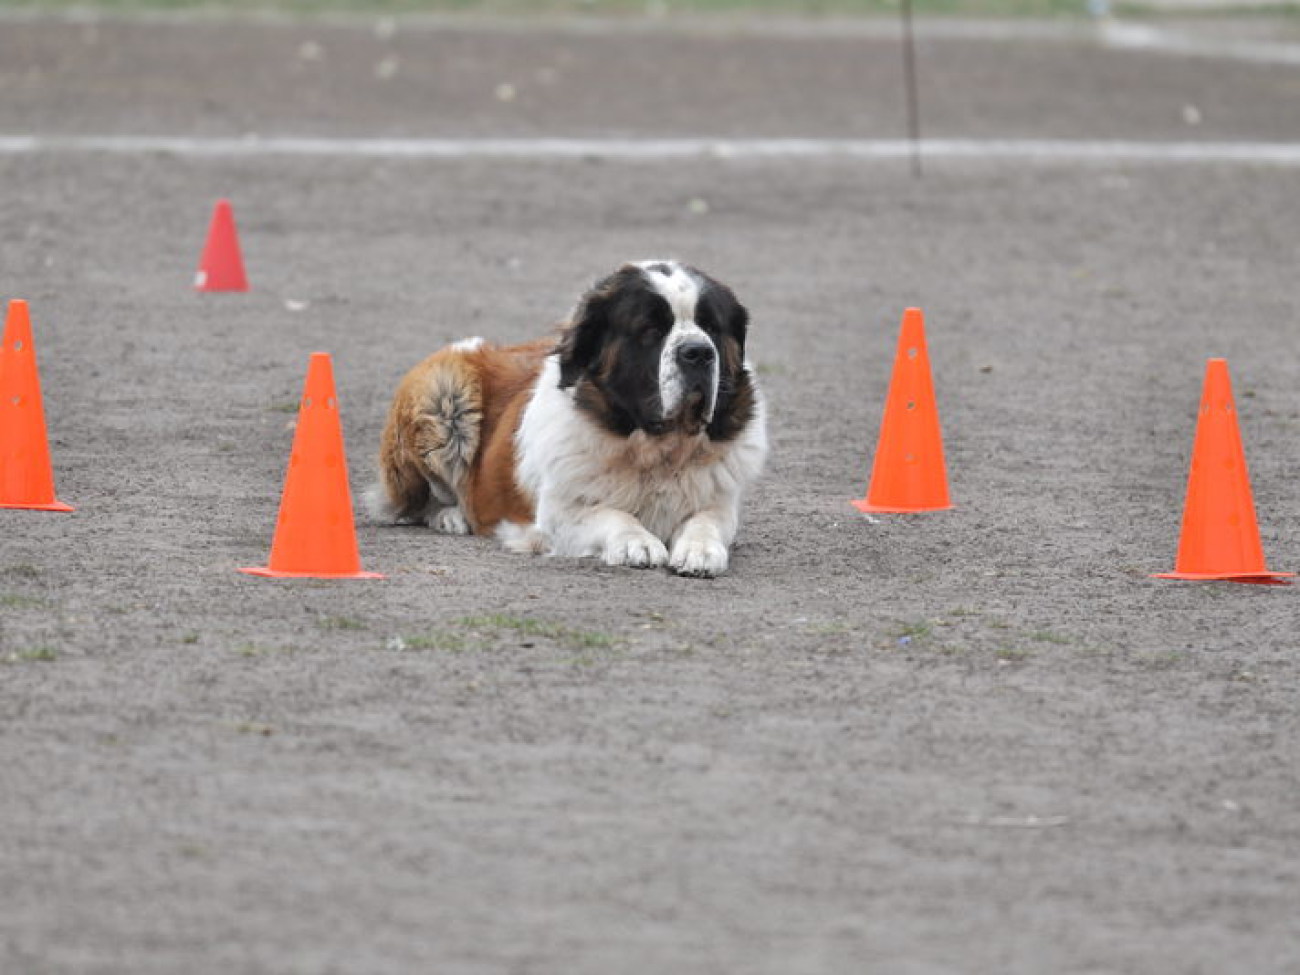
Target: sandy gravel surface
{"points": [[976, 741]]}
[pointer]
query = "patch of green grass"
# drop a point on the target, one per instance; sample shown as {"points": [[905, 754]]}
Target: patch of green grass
{"points": [[915, 631], [189, 639], [13, 600], [542, 629], [41, 654], [446, 641], [21, 570], [1047, 636], [478, 633], [1013, 655], [920, 634], [341, 623], [258, 650], [831, 628]]}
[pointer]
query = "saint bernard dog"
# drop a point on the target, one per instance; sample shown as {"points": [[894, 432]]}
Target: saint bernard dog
{"points": [[631, 437]]}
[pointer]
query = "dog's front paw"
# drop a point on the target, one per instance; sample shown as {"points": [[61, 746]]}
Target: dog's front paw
{"points": [[639, 550], [703, 558], [449, 521]]}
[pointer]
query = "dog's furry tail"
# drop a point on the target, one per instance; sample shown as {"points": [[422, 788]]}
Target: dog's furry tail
{"points": [[430, 441]]}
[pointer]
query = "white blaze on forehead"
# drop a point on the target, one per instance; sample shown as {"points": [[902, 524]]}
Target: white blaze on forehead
{"points": [[681, 289]]}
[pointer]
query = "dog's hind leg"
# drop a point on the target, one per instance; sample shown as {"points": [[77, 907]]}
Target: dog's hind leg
{"points": [[402, 493], [429, 445]]}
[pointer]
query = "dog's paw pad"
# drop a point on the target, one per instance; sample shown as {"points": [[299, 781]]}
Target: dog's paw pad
{"points": [[639, 550], [702, 559], [449, 521]]}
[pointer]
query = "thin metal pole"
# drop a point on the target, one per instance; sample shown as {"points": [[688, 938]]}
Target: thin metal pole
{"points": [[909, 79]]}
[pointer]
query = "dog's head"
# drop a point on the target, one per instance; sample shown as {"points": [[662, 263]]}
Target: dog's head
{"points": [[659, 347]]}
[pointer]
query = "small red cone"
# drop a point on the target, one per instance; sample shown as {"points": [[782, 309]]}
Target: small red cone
{"points": [[315, 534], [1220, 536], [908, 473], [221, 268], [26, 477]]}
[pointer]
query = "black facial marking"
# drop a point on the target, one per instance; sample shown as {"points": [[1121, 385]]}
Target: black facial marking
{"points": [[721, 315], [726, 321], [610, 352]]}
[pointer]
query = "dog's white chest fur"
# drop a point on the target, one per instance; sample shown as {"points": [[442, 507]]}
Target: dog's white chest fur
{"points": [[570, 466]]}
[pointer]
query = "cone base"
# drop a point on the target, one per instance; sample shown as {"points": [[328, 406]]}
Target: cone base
{"points": [[50, 506], [1265, 578], [269, 573], [888, 509], [221, 288]]}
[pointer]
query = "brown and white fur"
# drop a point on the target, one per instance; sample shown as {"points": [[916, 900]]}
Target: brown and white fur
{"points": [[632, 437]]}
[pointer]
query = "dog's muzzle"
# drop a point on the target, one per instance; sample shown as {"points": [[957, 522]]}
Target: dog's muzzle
{"points": [[696, 362]]}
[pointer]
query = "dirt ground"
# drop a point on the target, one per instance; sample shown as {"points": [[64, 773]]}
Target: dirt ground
{"points": [[977, 741]]}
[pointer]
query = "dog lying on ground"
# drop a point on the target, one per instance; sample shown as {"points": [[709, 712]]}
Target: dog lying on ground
{"points": [[632, 437]]}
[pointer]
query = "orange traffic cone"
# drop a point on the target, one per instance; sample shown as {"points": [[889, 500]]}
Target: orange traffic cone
{"points": [[26, 478], [1220, 537], [221, 268], [315, 535], [908, 473]]}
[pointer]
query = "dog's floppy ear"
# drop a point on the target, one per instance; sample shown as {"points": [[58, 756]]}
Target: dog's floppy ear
{"points": [[739, 324], [582, 339]]}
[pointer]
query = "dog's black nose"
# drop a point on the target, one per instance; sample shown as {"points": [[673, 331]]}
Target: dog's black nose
{"points": [[695, 355]]}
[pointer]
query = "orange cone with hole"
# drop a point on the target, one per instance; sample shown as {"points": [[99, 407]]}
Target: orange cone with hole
{"points": [[908, 473], [221, 267], [1220, 536], [315, 535], [26, 477]]}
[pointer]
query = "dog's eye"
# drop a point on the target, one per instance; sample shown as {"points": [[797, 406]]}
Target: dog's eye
{"points": [[651, 332], [708, 322]]}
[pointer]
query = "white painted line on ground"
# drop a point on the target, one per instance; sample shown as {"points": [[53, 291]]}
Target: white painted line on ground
{"points": [[1285, 154]]}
